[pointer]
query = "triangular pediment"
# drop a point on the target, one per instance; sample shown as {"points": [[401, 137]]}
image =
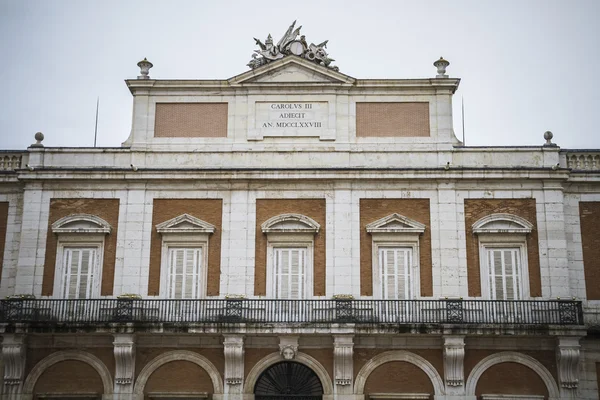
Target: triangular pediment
{"points": [[395, 223], [185, 223], [292, 70]]}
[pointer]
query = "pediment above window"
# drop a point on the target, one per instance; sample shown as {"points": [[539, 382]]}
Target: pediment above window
{"points": [[502, 223], [81, 223], [395, 223], [290, 223], [185, 223]]}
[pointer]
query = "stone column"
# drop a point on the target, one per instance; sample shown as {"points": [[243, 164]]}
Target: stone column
{"points": [[124, 351], [233, 348], [567, 360], [13, 357], [454, 355], [343, 365]]}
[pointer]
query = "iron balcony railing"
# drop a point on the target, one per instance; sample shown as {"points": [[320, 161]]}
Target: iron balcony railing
{"points": [[93, 311]]}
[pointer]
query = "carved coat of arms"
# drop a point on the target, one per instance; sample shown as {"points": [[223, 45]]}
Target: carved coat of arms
{"points": [[290, 44]]}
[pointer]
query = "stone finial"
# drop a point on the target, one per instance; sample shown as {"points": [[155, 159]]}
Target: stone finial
{"points": [[441, 65], [39, 136], [548, 136], [145, 66]]}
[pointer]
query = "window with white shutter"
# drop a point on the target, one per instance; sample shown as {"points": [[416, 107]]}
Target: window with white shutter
{"points": [[395, 271], [184, 280], [289, 272], [504, 273], [79, 273]]}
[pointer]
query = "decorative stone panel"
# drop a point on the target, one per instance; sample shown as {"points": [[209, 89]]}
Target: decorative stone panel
{"points": [[343, 351], [124, 349], [454, 356], [233, 348]]}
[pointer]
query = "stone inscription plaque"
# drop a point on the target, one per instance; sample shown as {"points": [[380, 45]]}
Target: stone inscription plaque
{"points": [[292, 118]]}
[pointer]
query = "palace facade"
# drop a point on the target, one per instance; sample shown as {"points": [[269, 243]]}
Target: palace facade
{"points": [[296, 233]]}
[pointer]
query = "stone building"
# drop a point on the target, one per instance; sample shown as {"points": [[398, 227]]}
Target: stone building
{"points": [[296, 233]]}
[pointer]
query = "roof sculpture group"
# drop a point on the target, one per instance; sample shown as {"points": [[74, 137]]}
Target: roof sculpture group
{"points": [[289, 44]]}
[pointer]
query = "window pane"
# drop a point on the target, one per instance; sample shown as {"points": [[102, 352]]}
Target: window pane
{"points": [[289, 266], [79, 266], [505, 273], [395, 266], [184, 270]]}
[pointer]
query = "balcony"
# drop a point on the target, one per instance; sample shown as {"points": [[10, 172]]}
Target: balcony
{"points": [[50, 313]]}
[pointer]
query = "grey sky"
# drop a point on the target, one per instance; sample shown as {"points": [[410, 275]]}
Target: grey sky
{"points": [[527, 66]]}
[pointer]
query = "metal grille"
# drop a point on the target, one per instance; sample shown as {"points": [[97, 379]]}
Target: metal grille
{"points": [[288, 380]]}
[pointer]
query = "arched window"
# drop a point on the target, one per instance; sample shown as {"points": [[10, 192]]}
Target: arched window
{"points": [[288, 380]]}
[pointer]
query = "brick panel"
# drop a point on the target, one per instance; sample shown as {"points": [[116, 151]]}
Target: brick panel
{"points": [[392, 119], [479, 208], [209, 210], [511, 378], [267, 208], [190, 120], [179, 377], [144, 355], [69, 376], [546, 357], [373, 209], [364, 355], [398, 377], [108, 210], [589, 216], [3, 227]]}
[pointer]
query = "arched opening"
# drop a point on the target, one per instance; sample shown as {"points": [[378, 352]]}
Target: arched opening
{"points": [[288, 380]]}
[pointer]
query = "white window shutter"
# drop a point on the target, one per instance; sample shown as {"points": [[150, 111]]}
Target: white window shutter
{"points": [[184, 273], [289, 269], [395, 269], [79, 272], [504, 271]]}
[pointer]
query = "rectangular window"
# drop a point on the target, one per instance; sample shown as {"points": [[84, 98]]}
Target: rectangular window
{"points": [[395, 269], [79, 272], [504, 273], [184, 273], [290, 272]]}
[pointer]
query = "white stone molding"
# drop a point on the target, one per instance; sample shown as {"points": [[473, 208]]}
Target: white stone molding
{"points": [[124, 350], [454, 356], [185, 223], [343, 352], [398, 355], [288, 347], [502, 223], [81, 223], [395, 223], [76, 355], [177, 355], [13, 358], [514, 357], [399, 396], [233, 348], [511, 397], [274, 358], [290, 223], [567, 359]]}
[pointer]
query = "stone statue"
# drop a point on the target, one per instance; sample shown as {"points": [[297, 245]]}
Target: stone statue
{"points": [[289, 44]]}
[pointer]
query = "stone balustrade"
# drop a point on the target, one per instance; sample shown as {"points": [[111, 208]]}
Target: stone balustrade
{"points": [[583, 160], [9, 161]]}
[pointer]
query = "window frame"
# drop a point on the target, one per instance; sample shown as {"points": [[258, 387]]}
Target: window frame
{"points": [[79, 231], [290, 231], [502, 230], [189, 232], [396, 231]]}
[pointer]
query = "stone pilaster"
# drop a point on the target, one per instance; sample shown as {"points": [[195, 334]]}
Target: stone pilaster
{"points": [[343, 363], [13, 358], [233, 348], [454, 356], [124, 351]]}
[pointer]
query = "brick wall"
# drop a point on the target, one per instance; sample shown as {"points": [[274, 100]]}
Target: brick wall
{"points": [[209, 210], [191, 120], [69, 376], [479, 208], [373, 209], [108, 210], [589, 215], [364, 355], [3, 226], [398, 377], [179, 377], [546, 357], [267, 208], [510, 378], [392, 119]]}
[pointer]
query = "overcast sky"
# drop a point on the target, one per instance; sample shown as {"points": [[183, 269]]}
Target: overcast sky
{"points": [[526, 66]]}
